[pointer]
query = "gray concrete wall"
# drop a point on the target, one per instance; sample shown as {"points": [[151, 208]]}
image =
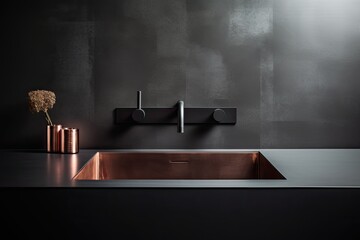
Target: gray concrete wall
{"points": [[290, 67]]}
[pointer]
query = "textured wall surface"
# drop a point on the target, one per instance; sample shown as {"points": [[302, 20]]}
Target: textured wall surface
{"points": [[311, 97], [290, 67]]}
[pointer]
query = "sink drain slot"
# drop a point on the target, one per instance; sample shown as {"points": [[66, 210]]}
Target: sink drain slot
{"points": [[171, 161]]}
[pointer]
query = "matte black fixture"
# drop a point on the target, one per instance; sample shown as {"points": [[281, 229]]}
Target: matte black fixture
{"points": [[138, 115], [219, 115], [178, 114]]}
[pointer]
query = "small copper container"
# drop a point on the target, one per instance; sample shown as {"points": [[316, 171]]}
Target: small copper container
{"points": [[53, 138], [69, 140]]}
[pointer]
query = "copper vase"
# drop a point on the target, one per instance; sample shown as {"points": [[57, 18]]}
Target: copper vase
{"points": [[69, 138], [53, 138]]}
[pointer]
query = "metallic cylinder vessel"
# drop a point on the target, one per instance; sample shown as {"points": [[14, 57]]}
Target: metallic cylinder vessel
{"points": [[69, 140], [53, 138]]}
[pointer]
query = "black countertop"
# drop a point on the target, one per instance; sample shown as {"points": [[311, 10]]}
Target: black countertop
{"points": [[309, 168]]}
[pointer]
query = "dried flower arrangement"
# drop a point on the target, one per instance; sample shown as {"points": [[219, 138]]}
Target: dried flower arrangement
{"points": [[42, 100]]}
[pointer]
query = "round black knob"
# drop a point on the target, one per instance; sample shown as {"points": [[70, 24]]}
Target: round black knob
{"points": [[219, 115], [138, 115]]}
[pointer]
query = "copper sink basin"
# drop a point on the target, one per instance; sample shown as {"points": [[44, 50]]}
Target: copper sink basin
{"points": [[178, 165]]}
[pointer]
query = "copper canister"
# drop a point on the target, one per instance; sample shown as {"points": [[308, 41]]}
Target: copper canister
{"points": [[69, 140], [53, 138]]}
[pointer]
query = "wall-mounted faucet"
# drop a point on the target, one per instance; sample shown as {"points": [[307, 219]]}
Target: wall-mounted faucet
{"points": [[174, 115], [180, 116]]}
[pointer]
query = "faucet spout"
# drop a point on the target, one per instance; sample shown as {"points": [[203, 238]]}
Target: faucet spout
{"points": [[181, 116]]}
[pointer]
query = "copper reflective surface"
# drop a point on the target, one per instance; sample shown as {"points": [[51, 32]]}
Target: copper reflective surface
{"points": [[53, 138], [177, 165], [69, 138]]}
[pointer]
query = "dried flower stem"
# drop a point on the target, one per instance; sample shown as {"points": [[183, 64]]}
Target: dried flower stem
{"points": [[48, 119]]}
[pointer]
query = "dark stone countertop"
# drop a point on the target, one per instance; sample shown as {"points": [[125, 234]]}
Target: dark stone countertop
{"points": [[303, 168]]}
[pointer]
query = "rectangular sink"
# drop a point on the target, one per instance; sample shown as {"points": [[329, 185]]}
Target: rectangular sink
{"points": [[177, 165]]}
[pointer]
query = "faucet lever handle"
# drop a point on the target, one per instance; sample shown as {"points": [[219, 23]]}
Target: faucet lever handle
{"points": [[139, 99], [138, 115]]}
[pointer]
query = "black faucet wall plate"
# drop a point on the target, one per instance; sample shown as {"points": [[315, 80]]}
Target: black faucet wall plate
{"points": [[170, 116]]}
